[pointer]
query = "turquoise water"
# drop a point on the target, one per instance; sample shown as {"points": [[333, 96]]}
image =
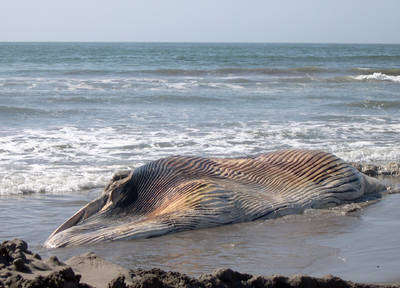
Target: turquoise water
{"points": [[71, 114]]}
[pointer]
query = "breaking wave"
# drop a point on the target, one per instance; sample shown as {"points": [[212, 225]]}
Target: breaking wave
{"points": [[387, 71], [377, 76], [71, 160]]}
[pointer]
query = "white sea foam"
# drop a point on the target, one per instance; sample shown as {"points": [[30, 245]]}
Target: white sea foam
{"points": [[69, 159], [377, 76], [225, 86], [60, 181], [178, 86], [101, 84], [80, 86], [109, 84]]}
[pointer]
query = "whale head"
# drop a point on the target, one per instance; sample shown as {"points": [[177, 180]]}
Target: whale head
{"points": [[117, 214]]}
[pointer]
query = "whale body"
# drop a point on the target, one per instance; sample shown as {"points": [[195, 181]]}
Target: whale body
{"points": [[183, 193]]}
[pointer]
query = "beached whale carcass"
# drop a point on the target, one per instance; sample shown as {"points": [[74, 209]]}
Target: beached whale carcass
{"points": [[183, 193]]}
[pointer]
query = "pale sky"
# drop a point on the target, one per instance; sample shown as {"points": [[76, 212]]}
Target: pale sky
{"points": [[321, 21]]}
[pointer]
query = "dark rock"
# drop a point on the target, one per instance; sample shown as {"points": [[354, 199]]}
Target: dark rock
{"points": [[37, 256], [280, 281], [330, 281], [148, 281], [392, 168], [227, 278], [16, 260], [14, 281], [159, 278], [118, 282], [230, 276], [257, 282], [20, 245], [303, 281], [5, 274], [18, 254], [62, 278], [19, 265]]}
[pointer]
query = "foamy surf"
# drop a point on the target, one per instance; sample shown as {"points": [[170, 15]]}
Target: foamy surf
{"points": [[377, 76], [60, 181], [67, 160]]}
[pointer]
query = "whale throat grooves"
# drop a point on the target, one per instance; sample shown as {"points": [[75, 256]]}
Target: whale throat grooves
{"points": [[182, 193]]}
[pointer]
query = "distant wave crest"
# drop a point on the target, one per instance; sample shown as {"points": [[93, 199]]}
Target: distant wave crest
{"points": [[377, 76], [387, 71]]}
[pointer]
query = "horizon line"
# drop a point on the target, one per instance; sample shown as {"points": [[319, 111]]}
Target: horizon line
{"points": [[201, 42]]}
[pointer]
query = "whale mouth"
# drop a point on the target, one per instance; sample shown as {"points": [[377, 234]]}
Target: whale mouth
{"points": [[101, 227], [91, 216], [112, 216], [79, 217]]}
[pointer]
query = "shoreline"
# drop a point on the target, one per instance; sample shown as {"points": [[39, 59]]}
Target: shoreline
{"points": [[20, 267], [374, 170]]}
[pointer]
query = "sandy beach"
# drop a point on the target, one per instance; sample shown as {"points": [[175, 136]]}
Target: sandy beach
{"points": [[20, 267]]}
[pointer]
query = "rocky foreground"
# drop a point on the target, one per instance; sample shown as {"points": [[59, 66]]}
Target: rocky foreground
{"points": [[20, 267]]}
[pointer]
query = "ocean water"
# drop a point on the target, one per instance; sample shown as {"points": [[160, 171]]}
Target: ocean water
{"points": [[72, 114]]}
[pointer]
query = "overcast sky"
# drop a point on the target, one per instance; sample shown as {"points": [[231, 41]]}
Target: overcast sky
{"points": [[338, 21]]}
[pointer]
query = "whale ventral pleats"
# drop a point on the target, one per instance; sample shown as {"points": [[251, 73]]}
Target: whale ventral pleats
{"points": [[179, 193]]}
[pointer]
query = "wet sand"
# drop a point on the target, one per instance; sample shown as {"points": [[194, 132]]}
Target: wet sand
{"points": [[360, 246], [20, 267]]}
